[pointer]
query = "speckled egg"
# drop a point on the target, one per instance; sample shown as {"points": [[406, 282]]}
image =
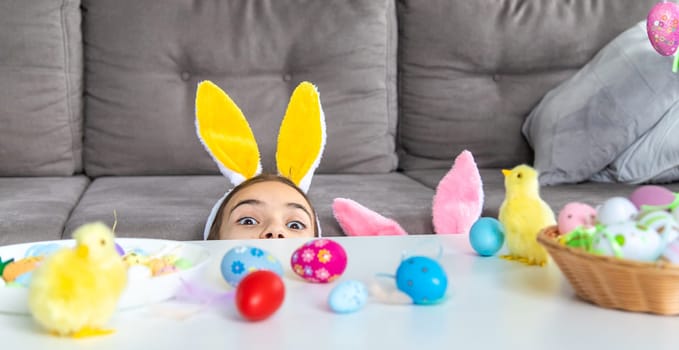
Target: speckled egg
{"points": [[320, 260], [348, 296], [627, 240], [661, 222], [423, 279], [239, 261], [576, 214]]}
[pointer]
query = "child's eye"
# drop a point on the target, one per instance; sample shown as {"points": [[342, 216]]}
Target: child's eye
{"points": [[247, 221], [296, 225]]}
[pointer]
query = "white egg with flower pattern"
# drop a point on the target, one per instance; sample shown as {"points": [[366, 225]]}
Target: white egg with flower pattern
{"points": [[628, 240]]}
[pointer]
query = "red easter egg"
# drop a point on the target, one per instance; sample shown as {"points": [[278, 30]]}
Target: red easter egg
{"points": [[259, 295], [661, 25]]}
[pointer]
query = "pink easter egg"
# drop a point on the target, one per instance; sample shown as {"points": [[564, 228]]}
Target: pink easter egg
{"points": [[320, 260], [661, 25], [651, 195], [576, 214]]}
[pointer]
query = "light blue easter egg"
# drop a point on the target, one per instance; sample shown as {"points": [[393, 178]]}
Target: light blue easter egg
{"points": [[487, 236], [239, 261], [348, 296]]}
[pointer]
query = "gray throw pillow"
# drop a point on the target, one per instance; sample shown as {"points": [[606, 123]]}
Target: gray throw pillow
{"points": [[588, 121], [654, 158], [40, 88]]}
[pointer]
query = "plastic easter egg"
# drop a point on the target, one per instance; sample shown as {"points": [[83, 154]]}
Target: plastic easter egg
{"points": [[423, 279], [348, 296], [259, 295], [320, 260], [651, 195], [486, 236], [616, 210], [575, 214], [661, 25], [239, 261], [662, 222], [628, 240]]}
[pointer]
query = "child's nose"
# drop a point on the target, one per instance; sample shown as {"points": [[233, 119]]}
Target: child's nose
{"points": [[270, 235]]}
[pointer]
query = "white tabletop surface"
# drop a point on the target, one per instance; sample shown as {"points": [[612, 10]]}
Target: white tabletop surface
{"points": [[493, 304]]}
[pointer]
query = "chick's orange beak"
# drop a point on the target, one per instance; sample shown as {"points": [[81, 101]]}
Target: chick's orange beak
{"points": [[506, 172], [82, 251]]}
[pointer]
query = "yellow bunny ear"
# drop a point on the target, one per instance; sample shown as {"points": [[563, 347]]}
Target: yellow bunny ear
{"points": [[302, 136], [226, 134]]}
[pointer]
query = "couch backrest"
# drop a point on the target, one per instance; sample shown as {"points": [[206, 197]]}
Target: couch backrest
{"points": [[40, 88], [144, 59], [471, 71]]}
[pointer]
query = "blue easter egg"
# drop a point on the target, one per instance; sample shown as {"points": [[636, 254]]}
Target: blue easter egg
{"points": [[423, 279], [239, 261], [487, 236], [348, 296]]}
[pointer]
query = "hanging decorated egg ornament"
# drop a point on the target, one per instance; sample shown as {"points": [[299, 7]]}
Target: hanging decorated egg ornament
{"points": [[320, 260], [661, 25]]}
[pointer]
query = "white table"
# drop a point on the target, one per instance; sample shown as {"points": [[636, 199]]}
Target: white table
{"points": [[493, 304]]}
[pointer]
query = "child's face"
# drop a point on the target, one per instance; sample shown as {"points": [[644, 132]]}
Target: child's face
{"points": [[267, 209]]}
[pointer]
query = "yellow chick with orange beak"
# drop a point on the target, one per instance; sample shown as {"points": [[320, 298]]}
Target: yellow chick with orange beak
{"points": [[524, 214], [75, 291]]}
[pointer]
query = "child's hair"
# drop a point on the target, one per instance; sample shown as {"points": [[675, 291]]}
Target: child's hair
{"points": [[217, 223]]}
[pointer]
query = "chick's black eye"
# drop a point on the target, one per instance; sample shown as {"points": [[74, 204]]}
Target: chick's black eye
{"points": [[102, 242], [518, 175]]}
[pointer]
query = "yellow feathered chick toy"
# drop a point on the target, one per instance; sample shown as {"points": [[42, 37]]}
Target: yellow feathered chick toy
{"points": [[523, 214], [75, 291]]}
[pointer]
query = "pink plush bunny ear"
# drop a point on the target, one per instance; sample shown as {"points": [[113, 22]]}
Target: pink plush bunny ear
{"points": [[357, 220], [458, 201]]}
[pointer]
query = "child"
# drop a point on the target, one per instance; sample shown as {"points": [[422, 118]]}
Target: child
{"points": [[262, 206], [265, 206]]}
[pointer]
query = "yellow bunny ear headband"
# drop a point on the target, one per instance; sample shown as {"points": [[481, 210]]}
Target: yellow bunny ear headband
{"points": [[227, 137]]}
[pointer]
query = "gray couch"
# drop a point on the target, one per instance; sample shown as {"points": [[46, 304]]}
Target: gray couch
{"points": [[97, 101]]}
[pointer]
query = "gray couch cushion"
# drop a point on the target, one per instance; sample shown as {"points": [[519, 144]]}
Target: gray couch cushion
{"points": [[176, 207], [468, 80], [36, 208], [145, 58], [557, 196], [40, 88], [163, 207]]}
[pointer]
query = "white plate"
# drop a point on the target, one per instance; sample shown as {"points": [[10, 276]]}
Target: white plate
{"points": [[138, 293]]}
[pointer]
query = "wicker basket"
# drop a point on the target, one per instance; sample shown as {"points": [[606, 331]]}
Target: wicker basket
{"points": [[616, 283]]}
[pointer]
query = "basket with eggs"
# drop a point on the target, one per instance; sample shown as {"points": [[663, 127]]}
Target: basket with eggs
{"points": [[624, 254]]}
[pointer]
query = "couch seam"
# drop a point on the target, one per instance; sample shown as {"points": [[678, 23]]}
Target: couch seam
{"points": [[75, 204], [399, 88], [67, 83]]}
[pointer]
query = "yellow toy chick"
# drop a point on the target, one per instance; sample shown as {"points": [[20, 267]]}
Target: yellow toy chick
{"points": [[75, 291], [523, 214]]}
